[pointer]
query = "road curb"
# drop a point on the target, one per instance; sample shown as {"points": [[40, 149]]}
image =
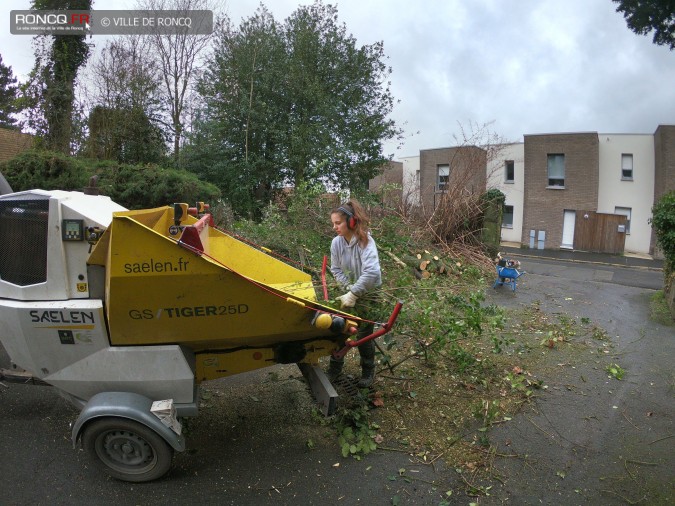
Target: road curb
{"points": [[573, 260]]}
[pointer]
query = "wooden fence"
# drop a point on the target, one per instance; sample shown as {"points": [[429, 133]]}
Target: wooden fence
{"points": [[599, 232]]}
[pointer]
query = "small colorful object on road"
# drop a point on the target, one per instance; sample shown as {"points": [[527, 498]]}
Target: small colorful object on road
{"points": [[507, 271]]}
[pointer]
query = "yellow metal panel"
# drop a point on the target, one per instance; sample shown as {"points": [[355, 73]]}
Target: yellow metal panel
{"points": [[99, 255], [253, 263], [218, 365], [161, 293]]}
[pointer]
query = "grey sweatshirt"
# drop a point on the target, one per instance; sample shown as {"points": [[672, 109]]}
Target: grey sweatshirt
{"points": [[354, 267]]}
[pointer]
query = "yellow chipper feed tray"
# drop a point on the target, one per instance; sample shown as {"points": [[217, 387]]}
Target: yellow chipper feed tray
{"points": [[237, 308]]}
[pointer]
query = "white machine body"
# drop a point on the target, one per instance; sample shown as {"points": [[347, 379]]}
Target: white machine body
{"points": [[52, 317]]}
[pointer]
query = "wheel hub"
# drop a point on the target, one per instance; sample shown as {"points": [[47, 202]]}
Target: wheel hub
{"points": [[127, 448]]}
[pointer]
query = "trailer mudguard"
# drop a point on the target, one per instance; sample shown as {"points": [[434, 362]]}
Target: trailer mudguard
{"points": [[125, 405]]}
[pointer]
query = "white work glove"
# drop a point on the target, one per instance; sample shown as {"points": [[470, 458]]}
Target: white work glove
{"points": [[347, 300]]}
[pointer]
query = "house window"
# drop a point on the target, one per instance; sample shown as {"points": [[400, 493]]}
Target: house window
{"points": [[443, 177], [627, 167], [625, 211], [556, 170], [509, 170], [507, 217]]}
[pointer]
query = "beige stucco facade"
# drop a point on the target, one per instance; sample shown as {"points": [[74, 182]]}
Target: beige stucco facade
{"points": [[636, 193], [512, 189]]}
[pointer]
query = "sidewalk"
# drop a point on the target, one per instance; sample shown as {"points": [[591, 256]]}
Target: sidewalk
{"points": [[627, 260]]}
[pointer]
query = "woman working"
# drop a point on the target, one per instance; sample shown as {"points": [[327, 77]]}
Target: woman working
{"points": [[355, 265]]}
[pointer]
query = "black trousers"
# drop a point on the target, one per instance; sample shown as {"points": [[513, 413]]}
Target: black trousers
{"points": [[366, 350]]}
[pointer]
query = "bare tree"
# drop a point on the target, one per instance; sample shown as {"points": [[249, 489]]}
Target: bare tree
{"points": [[124, 109], [126, 76], [178, 59]]}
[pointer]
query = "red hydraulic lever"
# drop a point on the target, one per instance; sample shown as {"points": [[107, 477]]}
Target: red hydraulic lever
{"points": [[385, 328]]}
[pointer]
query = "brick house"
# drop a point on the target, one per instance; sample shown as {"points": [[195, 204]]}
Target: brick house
{"points": [[561, 176], [443, 168], [389, 184], [664, 164], [584, 190], [13, 142]]}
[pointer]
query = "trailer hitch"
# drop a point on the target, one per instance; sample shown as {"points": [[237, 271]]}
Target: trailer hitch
{"points": [[385, 328]]}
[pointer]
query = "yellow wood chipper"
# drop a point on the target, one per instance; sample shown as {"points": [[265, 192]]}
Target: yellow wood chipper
{"points": [[127, 312]]}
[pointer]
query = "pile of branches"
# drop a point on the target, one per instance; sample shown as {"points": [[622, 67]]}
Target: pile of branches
{"points": [[454, 228], [425, 264]]}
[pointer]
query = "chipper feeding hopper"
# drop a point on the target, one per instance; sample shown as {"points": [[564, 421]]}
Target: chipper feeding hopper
{"points": [[127, 312]]}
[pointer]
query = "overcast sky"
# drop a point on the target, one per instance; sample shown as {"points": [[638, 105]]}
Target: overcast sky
{"points": [[525, 66]]}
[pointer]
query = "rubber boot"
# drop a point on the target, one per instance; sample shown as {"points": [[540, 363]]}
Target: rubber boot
{"points": [[334, 369], [367, 377]]}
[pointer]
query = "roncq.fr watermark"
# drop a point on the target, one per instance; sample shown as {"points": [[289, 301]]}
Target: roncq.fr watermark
{"points": [[117, 22]]}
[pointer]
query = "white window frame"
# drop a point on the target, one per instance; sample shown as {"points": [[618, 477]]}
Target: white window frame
{"points": [[626, 167], [555, 170], [442, 176]]}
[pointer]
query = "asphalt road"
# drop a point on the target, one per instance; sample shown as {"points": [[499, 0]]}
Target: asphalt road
{"points": [[256, 440], [592, 439], [637, 277]]}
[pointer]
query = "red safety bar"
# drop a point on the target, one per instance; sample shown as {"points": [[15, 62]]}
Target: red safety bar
{"points": [[385, 328]]}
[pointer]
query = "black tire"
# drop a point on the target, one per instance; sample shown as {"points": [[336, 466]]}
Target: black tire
{"points": [[127, 450]]}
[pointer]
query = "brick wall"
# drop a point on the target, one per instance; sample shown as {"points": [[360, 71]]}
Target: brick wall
{"points": [[12, 143], [543, 207], [467, 168], [392, 175], [664, 170]]}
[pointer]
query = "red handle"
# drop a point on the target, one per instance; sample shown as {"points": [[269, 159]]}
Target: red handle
{"points": [[385, 328], [323, 277]]}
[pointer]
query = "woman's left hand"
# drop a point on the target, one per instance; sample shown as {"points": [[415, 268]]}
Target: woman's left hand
{"points": [[347, 300]]}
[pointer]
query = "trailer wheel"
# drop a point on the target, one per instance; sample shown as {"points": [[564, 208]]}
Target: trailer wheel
{"points": [[127, 450]]}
